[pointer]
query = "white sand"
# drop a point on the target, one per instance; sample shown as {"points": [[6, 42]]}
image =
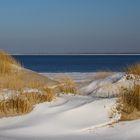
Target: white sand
{"points": [[69, 117]]}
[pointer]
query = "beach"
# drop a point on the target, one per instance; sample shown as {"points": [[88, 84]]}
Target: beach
{"points": [[70, 70], [71, 117], [68, 105]]}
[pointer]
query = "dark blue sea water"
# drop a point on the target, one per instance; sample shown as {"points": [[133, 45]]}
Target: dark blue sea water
{"points": [[76, 63]]}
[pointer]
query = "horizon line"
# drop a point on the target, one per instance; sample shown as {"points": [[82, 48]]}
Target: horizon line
{"points": [[79, 54]]}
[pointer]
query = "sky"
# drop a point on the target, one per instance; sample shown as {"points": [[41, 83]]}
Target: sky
{"points": [[70, 26]]}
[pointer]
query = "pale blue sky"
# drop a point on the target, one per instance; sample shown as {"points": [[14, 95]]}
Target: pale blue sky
{"points": [[70, 26]]}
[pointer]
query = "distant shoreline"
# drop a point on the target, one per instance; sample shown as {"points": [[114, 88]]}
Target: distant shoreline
{"points": [[82, 54]]}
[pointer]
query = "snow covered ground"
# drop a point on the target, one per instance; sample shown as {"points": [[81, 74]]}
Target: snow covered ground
{"points": [[75, 117], [109, 86], [69, 117]]}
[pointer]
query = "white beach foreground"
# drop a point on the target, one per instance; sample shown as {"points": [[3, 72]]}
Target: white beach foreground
{"points": [[69, 117], [75, 117]]}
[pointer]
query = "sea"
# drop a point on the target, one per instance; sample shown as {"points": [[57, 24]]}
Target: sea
{"points": [[77, 63]]}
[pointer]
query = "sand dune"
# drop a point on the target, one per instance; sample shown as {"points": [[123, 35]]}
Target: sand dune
{"points": [[110, 86], [68, 117], [75, 117]]}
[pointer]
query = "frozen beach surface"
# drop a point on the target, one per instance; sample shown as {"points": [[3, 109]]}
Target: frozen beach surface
{"points": [[69, 117], [79, 117], [109, 86]]}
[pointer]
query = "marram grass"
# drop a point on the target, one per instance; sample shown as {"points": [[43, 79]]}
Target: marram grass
{"points": [[12, 79], [128, 103], [23, 103], [7, 63], [133, 69], [67, 85]]}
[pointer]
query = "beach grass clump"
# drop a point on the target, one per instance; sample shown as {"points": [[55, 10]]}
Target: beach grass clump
{"points": [[7, 58], [67, 85], [45, 95], [11, 81], [133, 69], [26, 89], [6, 63], [24, 102], [15, 106], [15, 81], [129, 103], [50, 93]]}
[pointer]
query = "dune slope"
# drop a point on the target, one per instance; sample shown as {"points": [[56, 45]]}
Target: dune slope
{"points": [[68, 117]]}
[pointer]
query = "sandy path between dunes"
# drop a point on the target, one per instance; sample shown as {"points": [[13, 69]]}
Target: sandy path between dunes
{"points": [[66, 118]]}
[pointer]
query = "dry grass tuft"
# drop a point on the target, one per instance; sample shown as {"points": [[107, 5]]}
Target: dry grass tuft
{"points": [[6, 62], [16, 80], [129, 103], [15, 106], [24, 102], [133, 69], [67, 85], [7, 58], [50, 93]]}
